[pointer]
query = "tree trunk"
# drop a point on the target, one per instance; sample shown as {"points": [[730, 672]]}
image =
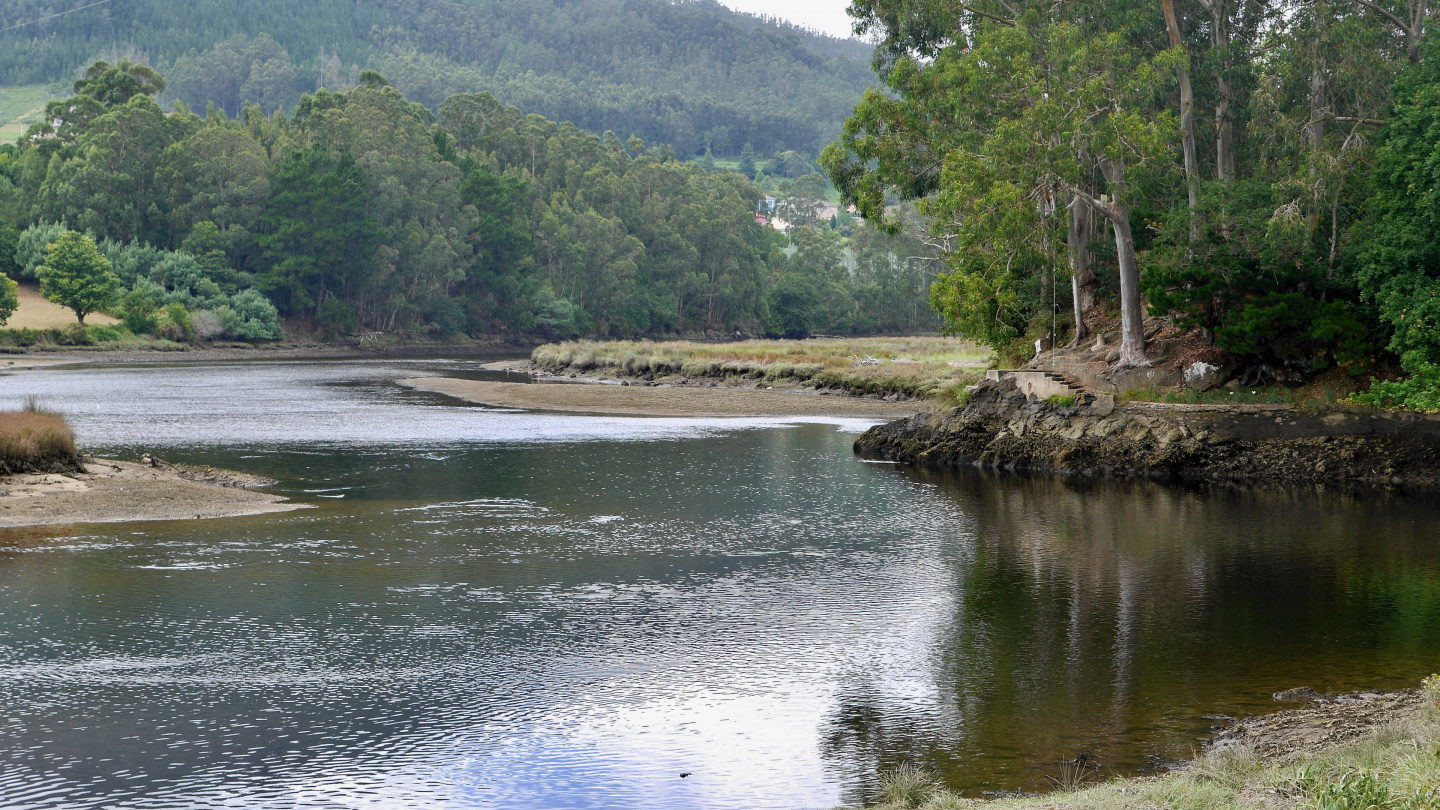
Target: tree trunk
{"points": [[1187, 124], [1082, 278], [1224, 121], [1132, 314]]}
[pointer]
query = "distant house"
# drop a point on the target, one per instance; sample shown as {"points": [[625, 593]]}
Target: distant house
{"points": [[761, 220]]}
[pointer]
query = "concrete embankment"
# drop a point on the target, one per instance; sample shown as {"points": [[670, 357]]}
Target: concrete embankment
{"points": [[1001, 427]]}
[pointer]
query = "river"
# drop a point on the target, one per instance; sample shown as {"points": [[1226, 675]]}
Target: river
{"points": [[521, 610]]}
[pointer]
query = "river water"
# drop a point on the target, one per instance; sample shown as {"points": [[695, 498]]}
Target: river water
{"points": [[518, 610]]}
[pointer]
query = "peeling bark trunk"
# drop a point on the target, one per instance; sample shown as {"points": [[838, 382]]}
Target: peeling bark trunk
{"points": [[1132, 314], [1224, 121], [1082, 277], [1187, 124]]}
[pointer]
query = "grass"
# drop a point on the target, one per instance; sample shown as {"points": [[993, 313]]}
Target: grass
{"points": [[1397, 769], [917, 367], [34, 437], [23, 105], [1319, 394]]}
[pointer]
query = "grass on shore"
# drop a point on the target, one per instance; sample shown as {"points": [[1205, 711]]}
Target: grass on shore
{"points": [[1396, 769], [1321, 393], [915, 367], [32, 437]]}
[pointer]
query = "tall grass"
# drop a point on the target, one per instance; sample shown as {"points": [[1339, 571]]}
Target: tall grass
{"points": [[915, 367], [34, 438], [1398, 768]]}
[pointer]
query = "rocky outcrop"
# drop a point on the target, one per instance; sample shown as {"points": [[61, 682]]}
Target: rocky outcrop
{"points": [[1002, 427]]}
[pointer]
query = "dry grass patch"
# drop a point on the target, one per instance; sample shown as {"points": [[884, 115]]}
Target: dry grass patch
{"points": [[921, 367], [33, 440], [35, 312]]}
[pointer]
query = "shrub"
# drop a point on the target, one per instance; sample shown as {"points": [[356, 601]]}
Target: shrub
{"points": [[103, 334], [207, 325], [1061, 401], [1418, 392], [137, 310], [32, 438]]}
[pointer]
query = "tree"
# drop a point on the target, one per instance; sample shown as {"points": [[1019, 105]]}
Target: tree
{"points": [[76, 276], [9, 298]]}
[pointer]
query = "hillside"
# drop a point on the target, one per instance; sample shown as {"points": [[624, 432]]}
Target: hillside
{"points": [[692, 74]]}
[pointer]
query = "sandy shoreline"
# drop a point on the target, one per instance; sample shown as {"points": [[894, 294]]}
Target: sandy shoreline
{"points": [[660, 401], [118, 491]]}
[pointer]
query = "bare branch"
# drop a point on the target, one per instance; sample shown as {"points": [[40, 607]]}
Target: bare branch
{"points": [[1401, 24]]}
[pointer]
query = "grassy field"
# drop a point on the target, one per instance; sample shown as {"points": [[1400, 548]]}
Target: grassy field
{"points": [[1397, 769], [22, 105], [35, 312], [916, 367]]}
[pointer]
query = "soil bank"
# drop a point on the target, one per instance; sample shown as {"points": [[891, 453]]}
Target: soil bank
{"points": [[118, 491], [1001, 427], [659, 400]]}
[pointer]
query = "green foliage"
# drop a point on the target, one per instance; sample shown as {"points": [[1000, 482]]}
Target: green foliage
{"points": [[76, 276], [31, 245], [337, 319], [138, 311], [9, 298], [688, 74], [102, 333], [1400, 242], [1418, 392]]}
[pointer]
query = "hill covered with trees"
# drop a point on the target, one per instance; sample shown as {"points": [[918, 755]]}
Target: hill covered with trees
{"points": [[691, 74], [366, 211]]}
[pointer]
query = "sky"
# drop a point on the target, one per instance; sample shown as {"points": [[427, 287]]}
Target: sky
{"points": [[826, 16]]}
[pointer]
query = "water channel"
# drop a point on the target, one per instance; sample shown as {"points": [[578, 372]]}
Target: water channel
{"points": [[520, 610]]}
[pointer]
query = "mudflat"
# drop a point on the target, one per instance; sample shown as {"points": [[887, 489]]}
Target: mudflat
{"points": [[118, 491], [636, 400]]}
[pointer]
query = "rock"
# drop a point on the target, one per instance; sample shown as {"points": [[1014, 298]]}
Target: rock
{"points": [[1113, 356], [1233, 385], [1103, 406], [1295, 695], [1201, 376]]}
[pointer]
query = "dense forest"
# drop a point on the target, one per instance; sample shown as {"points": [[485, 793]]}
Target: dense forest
{"points": [[363, 211], [691, 74], [1261, 171]]}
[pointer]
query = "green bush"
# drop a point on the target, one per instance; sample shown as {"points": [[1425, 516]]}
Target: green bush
{"points": [[138, 310], [1418, 392], [103, 334]]}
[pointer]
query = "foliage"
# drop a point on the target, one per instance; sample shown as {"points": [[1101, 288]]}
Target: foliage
{"points": [[689, 74], [9, 298], [76, 276], [1418, 392]]}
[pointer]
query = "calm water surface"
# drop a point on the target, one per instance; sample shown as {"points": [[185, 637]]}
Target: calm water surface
{"points": [[519, 610]]}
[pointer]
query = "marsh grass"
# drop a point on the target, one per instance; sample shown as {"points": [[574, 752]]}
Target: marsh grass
{"points": [[1398, 768], [916, 367], [34, 437]]}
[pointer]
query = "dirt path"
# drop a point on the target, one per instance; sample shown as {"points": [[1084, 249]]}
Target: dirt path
{"points": [[117, 491], [660, 401]]}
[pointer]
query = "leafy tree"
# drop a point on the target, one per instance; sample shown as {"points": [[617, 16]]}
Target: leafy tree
{"points": [[76, 276], [9, 298]]}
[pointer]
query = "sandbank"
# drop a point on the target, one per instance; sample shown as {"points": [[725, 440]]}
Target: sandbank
{"points": [[118, 491], [637, 400]]}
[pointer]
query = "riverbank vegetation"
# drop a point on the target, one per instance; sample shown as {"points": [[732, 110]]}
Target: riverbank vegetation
{"points": [[35, 440], [1397, 768], [909, 367], [1261, 173]]}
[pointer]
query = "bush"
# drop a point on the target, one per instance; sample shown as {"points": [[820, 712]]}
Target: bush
{"points": [[177, 326], [250, 316], [207, 325], [33, 437], [103, 334], [337, 319], [138, 311], [1418, 392]]}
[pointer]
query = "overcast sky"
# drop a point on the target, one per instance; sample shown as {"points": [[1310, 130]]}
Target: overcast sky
{"points": [[827, 16]]}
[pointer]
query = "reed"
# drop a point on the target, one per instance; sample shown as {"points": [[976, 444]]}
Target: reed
{"points": [[33, 439]]}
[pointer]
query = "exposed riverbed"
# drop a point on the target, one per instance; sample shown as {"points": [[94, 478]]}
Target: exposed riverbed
{"points": [[504, 608]]}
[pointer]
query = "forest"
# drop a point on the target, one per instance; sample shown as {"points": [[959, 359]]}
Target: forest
{"points": [[1259, 171], [691, 74], [363, 211]]}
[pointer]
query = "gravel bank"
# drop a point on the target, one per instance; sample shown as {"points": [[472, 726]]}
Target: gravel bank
{"points": [[660, 401], [118, 491]]}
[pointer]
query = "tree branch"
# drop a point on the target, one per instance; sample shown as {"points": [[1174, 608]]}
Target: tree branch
{"points": [[1374, 122], [1104, 210], [1387, 15], [987, 15]]}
